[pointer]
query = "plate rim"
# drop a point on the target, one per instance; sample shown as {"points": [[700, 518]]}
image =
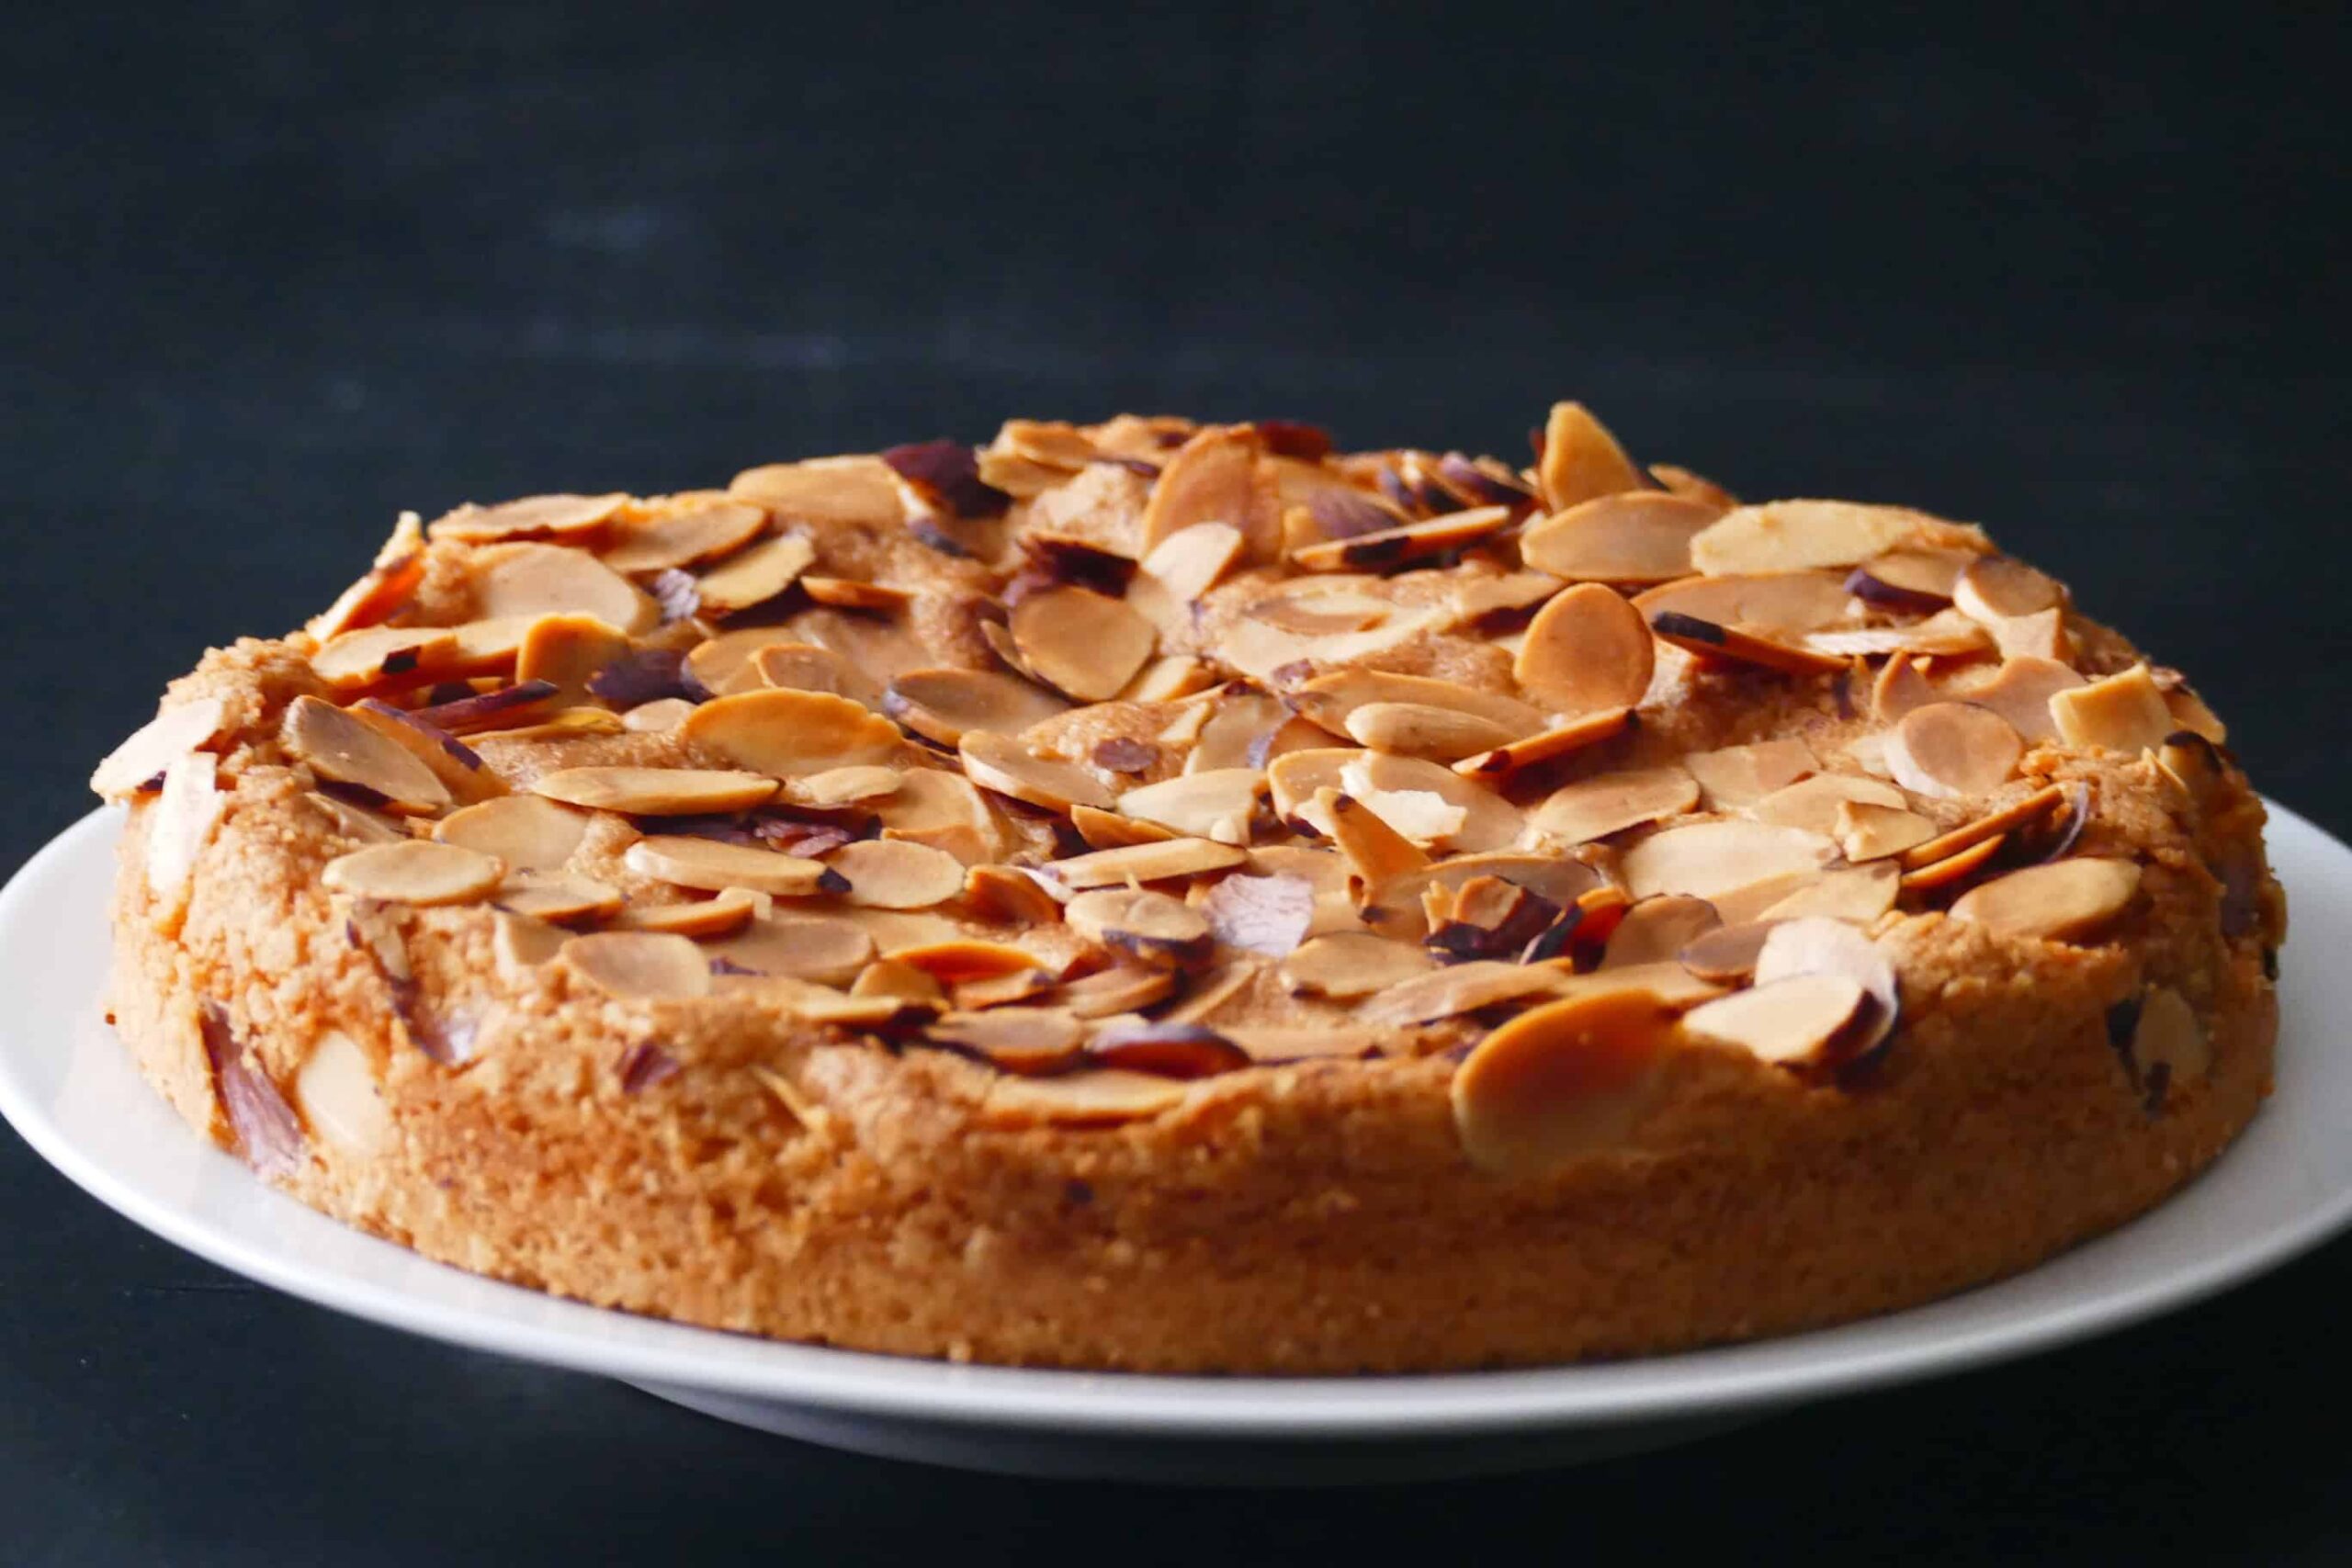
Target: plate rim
{"points": [[1757, 1375]]}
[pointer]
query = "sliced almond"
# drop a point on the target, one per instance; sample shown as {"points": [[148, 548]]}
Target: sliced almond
{"points": [[1391, 548], [799, 947], [1809, 946], [417, 872], [657, 717], [357, 660], [1953, 751], [1680, 481], [1100, 1097], [1151, 927], [340, 1101], [1333, 701], [1639, 535], [356, 821], [565, 651], [526, 581], [519, 944], [1790, 1021], [2041, 803], [1559, 1081], [1377, 854], [1399, 908], [1654, 929], [1791, 535], [638, 965], [1168, 679], [1947, 634], [1109, 830], [1867, 831], [838, 787], [886, 873], [1347, 965], [1954, 869], [1580, 459], [1901, 687], [1715, 859], [2124, 713], [1725, 955], [1417, 729], [344, 750], [1032, 1039], [1738, 776], [2168, 1046], [656, 792], [729, 912], [713, 866], [787, 733], [1219, 804], [564, 724], [682, 538], [1608, 803], [1180, 567], [960, 961], [1811, 802], [185, 813], [825, 489], [556, 899], [724, 665], [177, 729], [386, 590], [1081, 642], [533, 518], [940, 705], [802, 667], [1213, 477], [1910, 582], [883, 647], [754, 576], [998, 763], [1317, 615], [889, 977], [1713, 641], [1589, 730], [2191, 712], [1402, 792], [1144, 862], [1459, 989], [2066, 900], [1010, 895], [1782, 604], [942, 810], [527, 833], [1859, 894], [2020, 691], [1586, 650], [1994, 589]]}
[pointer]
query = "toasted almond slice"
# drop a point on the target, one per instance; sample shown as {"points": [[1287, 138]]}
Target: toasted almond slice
{"points": [[1239, 730], [1496, 604], [186, 815], [887, 873], [1166, 680], [533, 518], [940, 705], [638, 965], [848, 594], [1010, 895], [416, 872], [1637, 536], [725, 664], [557, 900], [1867, 831], [527, 833], [357, 821], [713, 867], [1457, 990], [1580, 459], [1994, 589], [385, 591], [796, 665], [492, 646], [1654, 929], [1391, 548], [1790, 1021], [341, 748], [1586, 650], [1376, 852], [565, 651], [2066, 900], [2168, 1046], [1708, 640], [1679, 480], [1725, 955], [1025, 986], [357, 660], [819, 948], [1215, 477], [1347, 965], [657, 717], [1669, 984], [960, 961], [2041, 803], [1948, 634], [682, 538], [704, 918], [1271, 1044], [2039, 636], [656, 792], [1219, 804], [1417, 729], [1606, 803], [526, 581], [457, 766], [883, 647], [1389, 785], [1860, 894], [825, 489], [934, 806], [1109, 830], [1144, 862], [1589, 730], [1901, 687], [753, 576], [2020, 691], [1180, 567], [336, 1090], [1097, 1098], [1910, 582], [1081, 642], [1790, 536], [1317, 615], [1001, 763], [1711, 860], [1811, 802], [788, 733], [1954, 868], [2125, 712], [1953, 751], [564, 724], [889, 977], [1266, 915], [1559, 1081], [1149, 927], [1032, 1040], [1737, 776], [837, 787], [2191, 712], [1813, 945], [1333, 700], [1211, 992], [1398, 909], [177, 729], [1780, 605], [519, 944]]}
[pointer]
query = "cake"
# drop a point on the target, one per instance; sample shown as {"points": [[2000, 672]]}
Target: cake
{"points": [[1170, 897]]}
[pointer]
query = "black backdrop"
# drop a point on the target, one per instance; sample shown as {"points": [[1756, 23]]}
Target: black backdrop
{"points": [[275, 272]]}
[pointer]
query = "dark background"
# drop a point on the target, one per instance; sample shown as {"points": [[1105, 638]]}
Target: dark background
{"points": [[275, 273]]}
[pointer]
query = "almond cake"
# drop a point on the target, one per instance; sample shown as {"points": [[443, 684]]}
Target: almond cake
{"points": [[1160, 896]]}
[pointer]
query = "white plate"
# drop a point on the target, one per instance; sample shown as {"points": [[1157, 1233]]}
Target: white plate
{"points": [[71, 1091]]}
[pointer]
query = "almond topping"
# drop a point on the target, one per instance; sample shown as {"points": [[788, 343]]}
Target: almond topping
{"points": [[1790, 536], [1416, 729], [1709, 640], [565, 651], [341, 749], [1812, 804], [1457, 990], [1580, 459], [1916, 582], [934, 807], [1081, 642], [887, 873], [1953, 869], [1901, 686], [1378, 854], [998, 763], [1166, 680], [1103, 1097], [1953, 751], [787, 734], [1860, 894], [799, 947], [889, 977], [1266, 915], [2066, 900], [1577, 734], [1867, 831], [1334, 700], [1399, 909], [2039, 804], [1710, 860], [1217, 803], [705, 918], [1347, 965], [174, 732], [1149, 927], [850, 594], [638, 965], [2124, 713], [336, 1089], [1811, 946], [713, 867], [385, 591], [519, 943], [724, 665], [533, 518], [526, 581], [1180, 567], [754, 576], [1738, 776], [1144, 862], [960, 961], [1019, 1040], [557, 900], [1635, 537], [1654, 930], [1586, 650], [355, 661], [1777, 603], [1561, 1080], [1786, 1021], [528, 833], [417, 872], [682, 538], [837, 787], [801, 667], [1213, 477], [1725, 955], [2168, 1046], [184, 815], [656, 792], [1607, 803], [825, 489], [1109, 830], [1994, 589], [1390, 547], [940, 705], [356, 821]]}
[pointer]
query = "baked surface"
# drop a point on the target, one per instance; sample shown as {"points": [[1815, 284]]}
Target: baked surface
{"points": [[1166, 896]]}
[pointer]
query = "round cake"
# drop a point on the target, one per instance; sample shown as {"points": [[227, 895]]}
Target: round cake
{"points": [[1168, 896]]}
